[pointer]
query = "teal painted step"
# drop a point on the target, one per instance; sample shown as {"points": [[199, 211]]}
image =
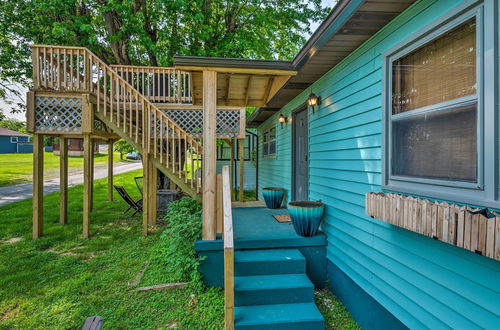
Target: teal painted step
{"points": [[269, 262], [279, 316], [272, 289]]}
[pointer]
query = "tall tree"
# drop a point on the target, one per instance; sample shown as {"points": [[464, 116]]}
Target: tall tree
{"points": [[151, 32]]}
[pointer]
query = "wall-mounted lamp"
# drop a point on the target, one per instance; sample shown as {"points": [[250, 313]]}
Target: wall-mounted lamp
{"points": [[313, 101], [282, 120]]}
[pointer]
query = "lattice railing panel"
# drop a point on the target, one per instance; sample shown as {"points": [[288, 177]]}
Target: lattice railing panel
{"points": [[58, 114], [191, 121]]}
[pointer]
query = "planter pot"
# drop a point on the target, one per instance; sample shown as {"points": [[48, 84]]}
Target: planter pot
{"points": [[306, 217], [273, 197]]}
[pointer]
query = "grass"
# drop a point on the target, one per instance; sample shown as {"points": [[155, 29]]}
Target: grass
{"points": [[56, 282], [336, 315], [18, 168], [59, 280]]}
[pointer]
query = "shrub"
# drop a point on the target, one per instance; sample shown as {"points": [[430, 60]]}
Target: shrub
{"points": [[176, 246]]}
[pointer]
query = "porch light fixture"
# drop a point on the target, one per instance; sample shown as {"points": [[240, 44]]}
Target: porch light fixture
{"points": [[313, 100], [282, 120]]}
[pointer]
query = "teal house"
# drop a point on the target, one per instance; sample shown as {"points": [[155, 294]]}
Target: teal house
{"points": [[387, 120], [394, 96]]}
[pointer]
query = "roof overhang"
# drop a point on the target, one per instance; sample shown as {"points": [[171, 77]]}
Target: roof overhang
{"points": [[347, 27], [240, 82]]}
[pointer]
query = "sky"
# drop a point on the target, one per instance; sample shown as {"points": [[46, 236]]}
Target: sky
{"points": [[5, 108]]}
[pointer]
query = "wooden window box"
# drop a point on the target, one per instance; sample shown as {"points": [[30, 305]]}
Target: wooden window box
{"points": [[477, 230]]}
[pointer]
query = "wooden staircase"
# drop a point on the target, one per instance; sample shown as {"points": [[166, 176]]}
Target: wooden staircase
{"points": [[108, 98]]}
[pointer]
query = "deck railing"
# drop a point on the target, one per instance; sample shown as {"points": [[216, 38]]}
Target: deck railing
{"points": [[76, 69], [228, 250], [158, 84]]}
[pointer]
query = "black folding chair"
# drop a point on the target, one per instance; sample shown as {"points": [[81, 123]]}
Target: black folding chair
{"points": [[139, 182], [137, 206]]}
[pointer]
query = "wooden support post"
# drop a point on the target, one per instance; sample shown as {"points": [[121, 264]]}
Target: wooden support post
{"points": [[220, 207], [87, 183], [63, 180], [241, 144], [153, 185], [231, 167], [110, 170], [37, 186], [30, 111], [92, 158], [209, 153], [146, 166]]}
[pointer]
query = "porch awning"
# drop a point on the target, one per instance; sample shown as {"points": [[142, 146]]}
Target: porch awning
{"points": [[240, 82]]}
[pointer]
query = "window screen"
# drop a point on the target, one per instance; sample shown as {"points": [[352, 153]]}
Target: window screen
{"points": [[442, 70], [434, 109], [439, 145]]}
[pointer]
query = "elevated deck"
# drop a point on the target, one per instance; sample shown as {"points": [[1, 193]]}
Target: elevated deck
{"points": [[255, 228]]}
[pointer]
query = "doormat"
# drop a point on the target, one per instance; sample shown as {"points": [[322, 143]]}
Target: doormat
{"points": [[282, 217]]}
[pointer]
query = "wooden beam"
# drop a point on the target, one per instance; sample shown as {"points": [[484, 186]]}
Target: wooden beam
{"points": [[153, 185], [220, 206], [110, 170], [87, 182], [276, 85], [247, 90], [146, 167], [37, 186], [231, 168], [266, 72], [241, 145], [228, 251], [63, 180], [87, 115], [209, 154], [92, 166], [30, 112]]}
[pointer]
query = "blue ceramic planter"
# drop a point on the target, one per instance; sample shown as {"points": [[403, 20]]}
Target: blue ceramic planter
{"points": [[273, 197], [306, 217]]}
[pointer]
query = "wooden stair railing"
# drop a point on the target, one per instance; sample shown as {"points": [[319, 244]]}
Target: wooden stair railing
{"points": [[228, 250], [131, 114], [158, 84]]}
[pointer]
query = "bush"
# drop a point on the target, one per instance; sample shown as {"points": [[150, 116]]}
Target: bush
{"points": [[176, 246]]}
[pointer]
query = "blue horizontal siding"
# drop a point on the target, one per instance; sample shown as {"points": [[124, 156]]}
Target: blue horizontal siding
{"points": [[423, 282]]}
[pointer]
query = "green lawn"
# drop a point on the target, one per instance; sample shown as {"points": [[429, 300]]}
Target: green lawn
{"points": [[59, 280], [18, 168]]}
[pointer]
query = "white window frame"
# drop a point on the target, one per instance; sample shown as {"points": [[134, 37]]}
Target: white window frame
{"points": [[265, 145], [14, 139], [482, 192]]}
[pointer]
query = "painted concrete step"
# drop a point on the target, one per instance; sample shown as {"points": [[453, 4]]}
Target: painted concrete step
{"points": [[269, 262], [272, 289], [279, 316]]}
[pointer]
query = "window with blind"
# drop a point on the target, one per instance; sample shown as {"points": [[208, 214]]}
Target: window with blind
{"points": [[434, 109]]}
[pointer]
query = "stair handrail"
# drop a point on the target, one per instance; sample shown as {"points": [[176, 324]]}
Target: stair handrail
{"points": [[175, 85], [85, 61], [228, 250]]}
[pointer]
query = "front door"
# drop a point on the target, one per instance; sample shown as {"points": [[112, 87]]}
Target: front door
{"points": [[300, 164]]}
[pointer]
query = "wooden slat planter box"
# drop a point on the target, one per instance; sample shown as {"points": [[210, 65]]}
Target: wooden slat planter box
{"points": [[477, 230]]}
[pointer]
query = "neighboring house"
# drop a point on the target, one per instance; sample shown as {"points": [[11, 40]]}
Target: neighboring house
{"points": [[14, 142], [413, 109]]}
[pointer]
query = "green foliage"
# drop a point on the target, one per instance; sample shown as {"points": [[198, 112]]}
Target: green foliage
{"points": [[151, 32], [13, 125], [123, 147], [176, 248]]}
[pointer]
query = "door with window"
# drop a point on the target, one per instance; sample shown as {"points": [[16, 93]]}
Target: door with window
{"points": [[300, 159]]}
